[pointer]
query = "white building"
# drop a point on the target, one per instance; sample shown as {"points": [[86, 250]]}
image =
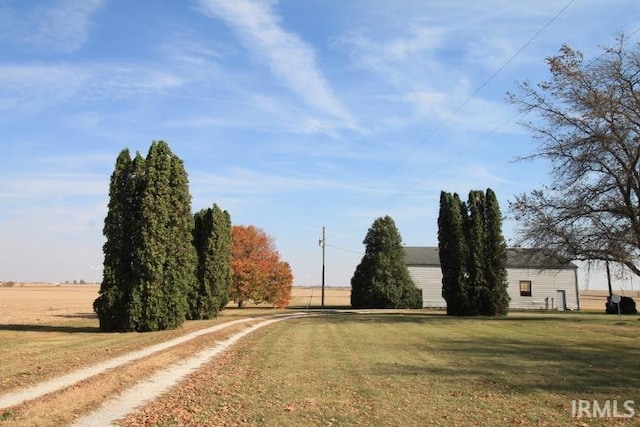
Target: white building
{"points": [[535, 281]]}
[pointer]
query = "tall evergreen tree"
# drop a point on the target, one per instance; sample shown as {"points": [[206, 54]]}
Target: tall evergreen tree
{"points": [[222, 256], [180, 270], [382, 279], [164, 257], [473, 255], [112, 303], [200, 295], [495, 259], [475, 239], [453, 253], [149, 257], [212, 241]]}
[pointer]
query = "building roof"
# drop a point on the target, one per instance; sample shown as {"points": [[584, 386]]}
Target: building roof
{"points": [[516, 258]]}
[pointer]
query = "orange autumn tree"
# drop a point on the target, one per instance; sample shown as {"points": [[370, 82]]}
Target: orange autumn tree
{"points": [[258, 274]]}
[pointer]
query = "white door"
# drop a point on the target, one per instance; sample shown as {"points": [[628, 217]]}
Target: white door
{"points": [[561, 298]]}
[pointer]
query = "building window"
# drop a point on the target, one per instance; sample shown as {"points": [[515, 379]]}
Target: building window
{"points": [[525, 288]]}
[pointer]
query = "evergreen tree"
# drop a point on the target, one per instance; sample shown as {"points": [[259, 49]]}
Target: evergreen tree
{"points": [[180, 270], [111, 305], [165, 255], [382, 279], [200, 295], [453, 253], [222, 278], [149, 261], [475, 239], [495, 259], [473, 255], [212, 241]]}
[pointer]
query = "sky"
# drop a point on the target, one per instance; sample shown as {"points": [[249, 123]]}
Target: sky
{"points": [[292, 115]]}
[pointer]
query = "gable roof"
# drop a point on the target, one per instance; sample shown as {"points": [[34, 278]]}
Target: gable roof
{"points": [[516, 258]]}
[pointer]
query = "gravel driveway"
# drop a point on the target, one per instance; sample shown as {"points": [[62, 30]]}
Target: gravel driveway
{"points": [[145, 391]]}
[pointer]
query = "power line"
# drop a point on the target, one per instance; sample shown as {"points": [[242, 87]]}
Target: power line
{"points": [[492, 131], [470, 97], [344, 250], [455, 156]]}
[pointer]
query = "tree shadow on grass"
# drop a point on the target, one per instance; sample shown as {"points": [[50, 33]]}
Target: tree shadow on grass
{"points": [[577, 366], [78, 316], [385, 317], [422, 316], [49, 328], [523, 366]]}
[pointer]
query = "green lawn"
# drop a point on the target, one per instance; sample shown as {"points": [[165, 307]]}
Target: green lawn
{"points": [[415, 369]]}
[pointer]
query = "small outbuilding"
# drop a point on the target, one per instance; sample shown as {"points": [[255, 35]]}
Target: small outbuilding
{"points": [[536, 281]]}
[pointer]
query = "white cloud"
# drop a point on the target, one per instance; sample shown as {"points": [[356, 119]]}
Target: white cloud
{"points": [[21, 191], [458, 108], [245, 182], [289, 57], [414, 43], [130, 80], [60, 27], [435, 55], [31, 87], [28, 87], [418, 40]]}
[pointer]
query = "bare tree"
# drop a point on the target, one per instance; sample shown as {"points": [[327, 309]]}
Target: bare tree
{"points": [[587, 122]]}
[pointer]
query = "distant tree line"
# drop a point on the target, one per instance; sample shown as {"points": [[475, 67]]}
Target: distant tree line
{"points": [[473, 254], [162, 264]]}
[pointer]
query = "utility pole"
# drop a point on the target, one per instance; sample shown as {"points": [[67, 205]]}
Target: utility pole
{"points": [[323, 242]]}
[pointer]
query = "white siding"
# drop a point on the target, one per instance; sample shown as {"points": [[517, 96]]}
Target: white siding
{"points": [[544, 284], [429, 279]]}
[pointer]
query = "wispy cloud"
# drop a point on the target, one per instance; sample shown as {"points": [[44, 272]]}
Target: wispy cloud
{"points": [[291, 59], [31, 87], [61, 27], [245, 182], [417, 41], [456, 107]]}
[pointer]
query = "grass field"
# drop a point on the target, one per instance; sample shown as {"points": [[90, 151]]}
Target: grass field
{"points": [[383, 368], [414, 369]]}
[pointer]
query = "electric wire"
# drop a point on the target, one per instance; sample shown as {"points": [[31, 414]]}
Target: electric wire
{"points": [[451, 159], [479, 140], [344, 250], [472, 96]]}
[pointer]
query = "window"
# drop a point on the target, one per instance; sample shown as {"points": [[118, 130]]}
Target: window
{"points": [[525, 288]]}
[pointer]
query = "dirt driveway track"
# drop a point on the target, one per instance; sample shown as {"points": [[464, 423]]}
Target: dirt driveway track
{"points": [[147, 390]]}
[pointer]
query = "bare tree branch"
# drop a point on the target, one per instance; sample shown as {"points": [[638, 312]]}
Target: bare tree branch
{"points": [[587, 124]]}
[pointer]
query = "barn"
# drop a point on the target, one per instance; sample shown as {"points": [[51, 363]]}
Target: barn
{"points": [[536, 281]]}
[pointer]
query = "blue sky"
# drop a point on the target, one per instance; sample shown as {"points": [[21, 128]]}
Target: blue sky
{"points": [[292, 115]]}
